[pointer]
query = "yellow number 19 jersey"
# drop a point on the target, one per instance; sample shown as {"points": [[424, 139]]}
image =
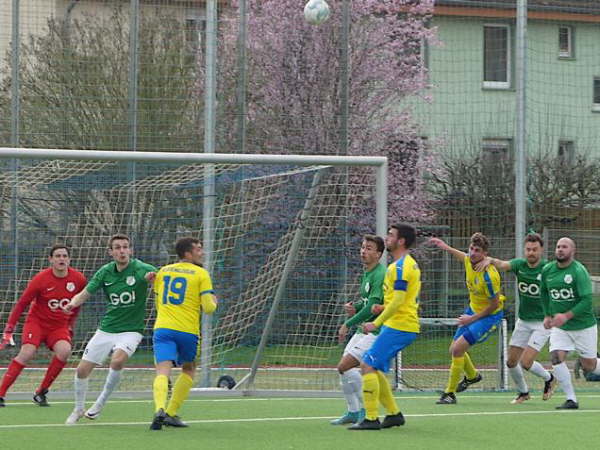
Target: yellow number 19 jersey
{"points": [[182, 290]]}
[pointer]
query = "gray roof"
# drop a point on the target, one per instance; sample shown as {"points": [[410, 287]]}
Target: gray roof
{"points": [[570, 6]]}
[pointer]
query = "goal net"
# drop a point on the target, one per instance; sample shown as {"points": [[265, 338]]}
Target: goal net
{"points": [[284, 234]]}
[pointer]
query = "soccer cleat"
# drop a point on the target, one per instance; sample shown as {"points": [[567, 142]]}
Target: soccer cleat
{"points": [[465, 383], [447, 398], [94, 412], [366, 425], [158, 420], [2, 405], [174, 421], [349, 417], [361, 415], [394, 420], [522, 397], [40, 398], [74, 417], [569, 404], [549, 387]]}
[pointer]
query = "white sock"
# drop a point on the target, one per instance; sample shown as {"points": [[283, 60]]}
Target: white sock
{"points": [[81, 386], [596, 371], [562, 374], [516, 374], [356, 381], [538, 370], [112, 381], [349, 388]]}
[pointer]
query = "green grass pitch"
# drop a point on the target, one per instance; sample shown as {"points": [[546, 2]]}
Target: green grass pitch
{"points": [[479, 421]]}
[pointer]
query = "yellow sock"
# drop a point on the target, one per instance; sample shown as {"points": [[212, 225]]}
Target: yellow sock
{"points": [[456, 370], [371, 395], [470, 370], [180, 393], [385, 395], [160, 390]]}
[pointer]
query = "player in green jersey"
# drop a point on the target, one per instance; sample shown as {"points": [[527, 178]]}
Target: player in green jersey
{"points": [[566, 292], [124, 281], [371, 293], [529, 334]]}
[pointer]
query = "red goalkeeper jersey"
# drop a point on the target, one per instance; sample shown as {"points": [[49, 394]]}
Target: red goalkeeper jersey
{"points": [[48, 295]]}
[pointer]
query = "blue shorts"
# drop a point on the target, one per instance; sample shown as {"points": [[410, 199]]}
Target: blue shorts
{"points": [[481, 329], [176, 346], [389, 342]]}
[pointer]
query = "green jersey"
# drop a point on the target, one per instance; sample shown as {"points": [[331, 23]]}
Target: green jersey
{"points": [[528, 283], [371, 293], [126, 293], [568, 289]]}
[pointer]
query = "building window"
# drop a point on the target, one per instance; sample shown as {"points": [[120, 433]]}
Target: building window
{"points": [[496, 153], [565, 42], [195, 28], [596, 105], [496, 56], [566, 152]]}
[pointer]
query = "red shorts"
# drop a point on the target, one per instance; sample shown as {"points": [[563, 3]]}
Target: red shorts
{"points": [[35, 333]]}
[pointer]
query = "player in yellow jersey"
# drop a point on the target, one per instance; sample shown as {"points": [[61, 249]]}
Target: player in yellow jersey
{"points": [[479, 319], [183, 290], [399, 322]]}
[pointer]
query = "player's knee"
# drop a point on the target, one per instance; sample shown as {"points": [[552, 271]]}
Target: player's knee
{"points": [[555, 358], [83, 371], [512, 363], [526, 364], [588, 364]]}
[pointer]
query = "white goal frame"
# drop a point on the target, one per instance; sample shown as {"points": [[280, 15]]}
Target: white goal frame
{"points": [[381, 187]]}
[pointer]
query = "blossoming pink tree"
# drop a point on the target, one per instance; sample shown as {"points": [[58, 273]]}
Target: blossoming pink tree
{"points": [[294, 88]]}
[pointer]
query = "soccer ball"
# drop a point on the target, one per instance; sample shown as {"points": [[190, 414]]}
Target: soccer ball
{"points": [[316, 12]]}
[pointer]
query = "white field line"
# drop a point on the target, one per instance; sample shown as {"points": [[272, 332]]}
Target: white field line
{"points": [[284, 419]]}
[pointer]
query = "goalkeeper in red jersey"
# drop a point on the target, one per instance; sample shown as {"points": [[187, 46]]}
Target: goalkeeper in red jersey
{"points": [[47, 321]]}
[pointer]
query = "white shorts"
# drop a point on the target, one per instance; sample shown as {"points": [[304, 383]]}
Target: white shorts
{"points": [[529, 334], [359, 344], [584, 342], [102, 343]]}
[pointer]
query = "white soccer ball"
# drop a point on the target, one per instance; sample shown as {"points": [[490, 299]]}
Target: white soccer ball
{"points": [[316, 12]]}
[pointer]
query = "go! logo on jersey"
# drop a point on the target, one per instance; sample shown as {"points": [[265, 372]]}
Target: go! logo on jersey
{"points": [[532, 289], [125, 298], [562, 295], [56, 304]]}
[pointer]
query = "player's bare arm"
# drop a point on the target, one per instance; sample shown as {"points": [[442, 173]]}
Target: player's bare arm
{"points": [[377, 309], [465, 319], [342, 333], [561, 318], [78, 300], [459, 255], [349, 309], [501, 265]]}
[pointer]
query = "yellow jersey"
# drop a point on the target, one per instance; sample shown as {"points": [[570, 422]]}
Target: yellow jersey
{"points": [[482, 286], [182, 290], [403, 277]]}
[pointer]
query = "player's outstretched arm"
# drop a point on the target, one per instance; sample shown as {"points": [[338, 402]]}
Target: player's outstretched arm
{"points": [[466, 319], [503, 266], [78, 300], [29, 294], [458, 255]]}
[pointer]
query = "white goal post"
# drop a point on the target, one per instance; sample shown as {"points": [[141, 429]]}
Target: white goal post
{"points": [[117, 177]]}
